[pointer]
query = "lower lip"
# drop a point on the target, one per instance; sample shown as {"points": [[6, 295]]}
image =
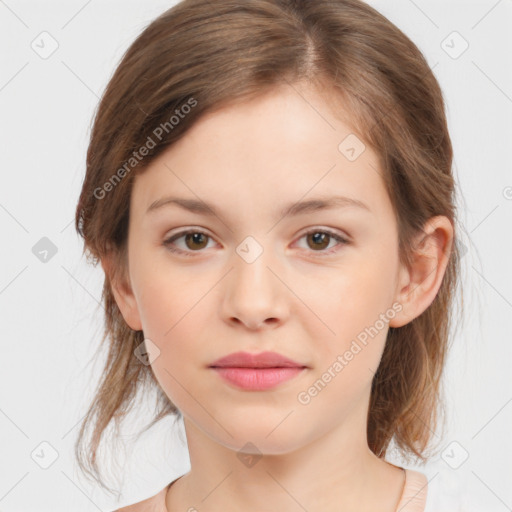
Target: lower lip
{"points": [[257, 379]]}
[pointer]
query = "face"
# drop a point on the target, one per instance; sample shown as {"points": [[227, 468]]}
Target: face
{"points": [[310, 285]]}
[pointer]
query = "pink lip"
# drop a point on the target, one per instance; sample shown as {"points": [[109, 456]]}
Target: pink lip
{"points": [[257, 379], [261, 360], [256, 371]]}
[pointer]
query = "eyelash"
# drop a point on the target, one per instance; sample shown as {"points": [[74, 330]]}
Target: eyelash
{"points": [[167, 243]]}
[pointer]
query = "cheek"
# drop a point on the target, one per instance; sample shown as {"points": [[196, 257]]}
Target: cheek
{"points": [[170, 320], [163, 294], [169, 309], [369, 286], [179, 367], [355, 308]]}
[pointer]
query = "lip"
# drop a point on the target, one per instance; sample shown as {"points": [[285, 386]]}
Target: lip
{"points": [[257, 372], [261, 360], [257, 379]]}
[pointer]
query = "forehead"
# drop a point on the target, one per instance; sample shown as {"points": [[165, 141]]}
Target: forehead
{"points": [[280, 146]]}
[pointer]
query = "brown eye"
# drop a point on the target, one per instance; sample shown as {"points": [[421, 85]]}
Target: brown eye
{"points": [[319, 239], [194, 242], [196, 239]]}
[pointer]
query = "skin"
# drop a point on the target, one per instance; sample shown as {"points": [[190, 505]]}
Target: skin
{"points": [[250, 160]]}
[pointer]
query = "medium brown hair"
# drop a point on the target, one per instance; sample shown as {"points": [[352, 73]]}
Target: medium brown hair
{"points": [[199, 56]]}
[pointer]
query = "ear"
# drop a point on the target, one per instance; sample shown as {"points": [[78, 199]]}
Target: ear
{"points": [[122, 290], [418, 285]]}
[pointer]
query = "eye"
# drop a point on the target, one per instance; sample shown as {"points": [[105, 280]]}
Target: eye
{"points": [[320, 239], [193, 238], [196, 240]]}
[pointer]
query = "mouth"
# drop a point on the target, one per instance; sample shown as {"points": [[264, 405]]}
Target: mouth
{"points": [[257, 378], [261, 366], [256, 372], [262, 360]]}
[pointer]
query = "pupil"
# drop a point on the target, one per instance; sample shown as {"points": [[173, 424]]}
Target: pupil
{"points": [[195, 237], [317, 238]]}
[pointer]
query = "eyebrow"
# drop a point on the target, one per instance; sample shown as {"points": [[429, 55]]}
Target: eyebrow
{"points": [[302, 207]]}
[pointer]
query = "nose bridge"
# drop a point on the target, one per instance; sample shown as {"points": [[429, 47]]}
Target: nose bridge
{"points": [[253, 293], [251, 260]]}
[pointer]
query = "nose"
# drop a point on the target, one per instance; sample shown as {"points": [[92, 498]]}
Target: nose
{"points": [[254, 294]]}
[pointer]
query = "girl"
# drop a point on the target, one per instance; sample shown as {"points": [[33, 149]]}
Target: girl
{"points": [[269, 193]]}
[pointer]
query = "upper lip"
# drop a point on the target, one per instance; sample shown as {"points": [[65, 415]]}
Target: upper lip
{"points": [[261, 360]]}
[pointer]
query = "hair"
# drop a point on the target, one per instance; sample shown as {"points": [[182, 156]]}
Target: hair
{"points": [[198, 57]]}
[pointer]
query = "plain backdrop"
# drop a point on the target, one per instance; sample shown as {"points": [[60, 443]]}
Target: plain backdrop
{"points": [[50, 314]]}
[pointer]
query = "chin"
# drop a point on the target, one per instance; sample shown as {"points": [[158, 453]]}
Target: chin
{"points": [[257, 441]]}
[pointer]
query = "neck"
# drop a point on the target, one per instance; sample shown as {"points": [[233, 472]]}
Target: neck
{"points": [[333, 471]]}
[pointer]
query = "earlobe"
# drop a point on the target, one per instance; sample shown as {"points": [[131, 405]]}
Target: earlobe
{"points": [[123, 294], [418, 285]]}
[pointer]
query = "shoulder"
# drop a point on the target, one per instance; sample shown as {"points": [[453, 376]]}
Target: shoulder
{"points": [[155, 503], [414, 495]]}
